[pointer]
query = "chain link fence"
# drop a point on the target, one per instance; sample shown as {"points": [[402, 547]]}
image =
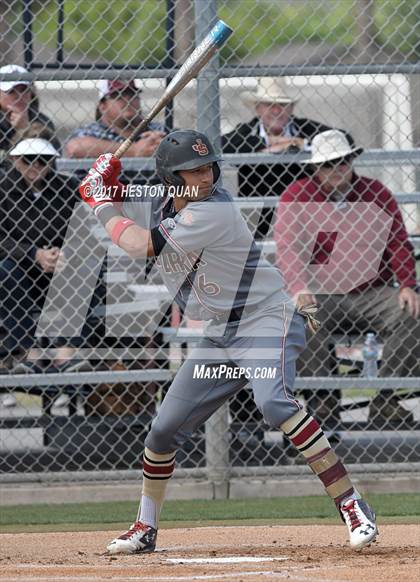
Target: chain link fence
{"points": [[90, 338]]}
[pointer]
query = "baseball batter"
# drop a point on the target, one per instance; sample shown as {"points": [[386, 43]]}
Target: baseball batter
{"points": [[212, 266]]}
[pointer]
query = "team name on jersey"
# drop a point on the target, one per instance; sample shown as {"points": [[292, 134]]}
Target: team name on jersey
{"points": [[171, 262]]}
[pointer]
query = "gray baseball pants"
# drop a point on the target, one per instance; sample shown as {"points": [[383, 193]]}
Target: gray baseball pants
{"points": [[271, 338]]}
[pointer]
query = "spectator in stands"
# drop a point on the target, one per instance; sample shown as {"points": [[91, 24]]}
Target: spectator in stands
{"points": [[20, 117], [37, 203], [376, 305], [118, 113], [274, 129]]}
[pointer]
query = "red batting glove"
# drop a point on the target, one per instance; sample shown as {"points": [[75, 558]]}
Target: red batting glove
{"points": [[101, 185]]}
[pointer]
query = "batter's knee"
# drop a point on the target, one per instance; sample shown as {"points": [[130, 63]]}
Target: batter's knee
{"points": [[276, 412], [159, 440], [163, 438]]}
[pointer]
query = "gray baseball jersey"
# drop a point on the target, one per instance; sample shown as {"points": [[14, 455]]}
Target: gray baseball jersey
{"points": [[206, 255]]}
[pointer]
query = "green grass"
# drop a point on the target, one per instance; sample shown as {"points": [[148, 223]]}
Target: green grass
{"points": [[71, 516]]}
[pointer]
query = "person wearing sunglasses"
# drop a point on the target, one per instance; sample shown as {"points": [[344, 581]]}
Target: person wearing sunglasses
{"points": [[37, 204], [342, 244]]}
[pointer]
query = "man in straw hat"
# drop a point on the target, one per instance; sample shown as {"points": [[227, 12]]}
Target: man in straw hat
{"points": [[359, 238], [274, 129]]}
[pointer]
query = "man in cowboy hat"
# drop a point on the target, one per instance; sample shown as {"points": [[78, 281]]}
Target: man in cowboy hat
{"points": [[356, 295], [274, 129]]}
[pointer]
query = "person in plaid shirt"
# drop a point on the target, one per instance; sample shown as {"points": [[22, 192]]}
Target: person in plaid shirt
{"points": [[117, 114]]}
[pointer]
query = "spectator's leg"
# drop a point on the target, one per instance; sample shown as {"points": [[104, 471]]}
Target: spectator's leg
{"points": [[317, 360], [401, 354], [16, 307]]}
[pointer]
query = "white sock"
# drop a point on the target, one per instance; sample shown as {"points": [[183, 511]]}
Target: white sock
{"points": [[148, 511]]}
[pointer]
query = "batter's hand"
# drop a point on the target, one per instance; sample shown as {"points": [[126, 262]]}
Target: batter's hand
{"points": [[410, 300], [101, 185]]}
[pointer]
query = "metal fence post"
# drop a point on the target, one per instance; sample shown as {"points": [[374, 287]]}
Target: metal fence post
{"points": [[208, 99], [208, 121], [28, 52]]}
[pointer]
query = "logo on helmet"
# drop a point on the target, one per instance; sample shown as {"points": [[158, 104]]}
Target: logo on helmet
{"points": [[200, 148]]}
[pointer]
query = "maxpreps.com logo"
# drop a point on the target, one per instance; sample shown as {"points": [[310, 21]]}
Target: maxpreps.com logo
{"points": [[200, 147]]}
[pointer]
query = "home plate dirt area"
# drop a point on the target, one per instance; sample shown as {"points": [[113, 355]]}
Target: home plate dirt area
{"points": [[298, 553]]}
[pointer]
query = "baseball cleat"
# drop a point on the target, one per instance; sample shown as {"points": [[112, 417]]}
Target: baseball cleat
{"points": [[360, 521], [139, 539]]}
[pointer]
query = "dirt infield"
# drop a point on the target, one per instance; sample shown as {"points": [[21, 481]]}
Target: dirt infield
{"points": [[250, 553]]}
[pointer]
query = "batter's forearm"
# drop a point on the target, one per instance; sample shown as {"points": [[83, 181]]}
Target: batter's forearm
{"points": [[134, 240]]}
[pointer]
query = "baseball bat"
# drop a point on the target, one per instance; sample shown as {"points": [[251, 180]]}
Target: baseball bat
{"points": [[195, 62]]}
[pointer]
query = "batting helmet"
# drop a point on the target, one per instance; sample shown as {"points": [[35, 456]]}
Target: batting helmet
{"points": [[184, 150]]}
